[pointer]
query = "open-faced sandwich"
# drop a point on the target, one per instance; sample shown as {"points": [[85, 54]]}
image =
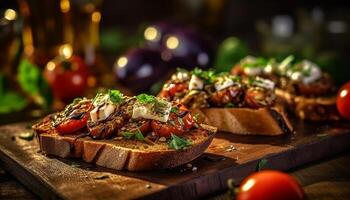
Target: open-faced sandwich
{"points": [[133, 133], [230, 103], [302, 87]]}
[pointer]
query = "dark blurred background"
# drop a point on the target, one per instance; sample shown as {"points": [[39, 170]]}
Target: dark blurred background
{"points": [[134, 45]]}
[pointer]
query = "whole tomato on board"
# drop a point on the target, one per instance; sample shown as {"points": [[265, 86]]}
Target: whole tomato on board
{"points": [[343, 100], [67, 77], [270, 185]]}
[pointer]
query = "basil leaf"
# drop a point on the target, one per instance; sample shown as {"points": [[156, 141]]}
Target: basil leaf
{"points": [[139, 135], [115, 96], [128, 135], [178, 143]]}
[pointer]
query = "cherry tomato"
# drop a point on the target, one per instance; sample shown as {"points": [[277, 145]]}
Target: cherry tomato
{"points": [[173, 88], [343, 100], [270, 185], [178, 124], [67, 77]]}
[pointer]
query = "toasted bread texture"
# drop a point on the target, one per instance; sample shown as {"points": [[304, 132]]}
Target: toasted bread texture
{"points": [[119, 153], [309, 108], [246, 121]]}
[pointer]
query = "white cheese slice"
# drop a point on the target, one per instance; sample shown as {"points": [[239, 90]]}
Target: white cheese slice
{"points": [[264, 83], [222, 84], [147, 112], [101, 113], [195, 83]]}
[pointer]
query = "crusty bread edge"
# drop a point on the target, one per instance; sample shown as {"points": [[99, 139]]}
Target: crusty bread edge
{"points": [[117, 157], [246, 121]]}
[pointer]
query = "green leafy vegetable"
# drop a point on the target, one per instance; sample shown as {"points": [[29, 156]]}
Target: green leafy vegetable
{"points": [[139, 135], [261, 164], [115, 96], [10, 100], [207, 75], [33, 83], [145, 98], [174, 110], [27, 136], [130, 135], [230, 105], [178, 143]]}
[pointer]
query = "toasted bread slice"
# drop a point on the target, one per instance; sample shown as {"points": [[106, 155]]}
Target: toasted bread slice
{"points": [[309, 108], [119, 153], [246, 121]]}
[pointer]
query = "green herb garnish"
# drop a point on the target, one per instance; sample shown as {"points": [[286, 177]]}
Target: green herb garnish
{"points": [[174, 110], [115, 96], [261, 164], [139, 135], [230, 105], [207, 75], [178, 143], [26, 136], [145, 98], [130, 135]]}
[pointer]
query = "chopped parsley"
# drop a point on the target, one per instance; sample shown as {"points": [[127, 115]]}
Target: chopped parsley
{"points": [[115, 96], [178, 143], [207, 75], [174, 110], [145, 98]]}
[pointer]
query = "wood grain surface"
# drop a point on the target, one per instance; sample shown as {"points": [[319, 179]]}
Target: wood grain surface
{"points": [[229, 156]]}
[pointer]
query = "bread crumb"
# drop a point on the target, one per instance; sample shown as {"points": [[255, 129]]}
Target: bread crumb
{"points": [[189, 165], [162, 139]]}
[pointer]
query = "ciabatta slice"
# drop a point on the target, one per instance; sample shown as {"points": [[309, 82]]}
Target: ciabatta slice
{"points": [[246, 121], [119, 153]]}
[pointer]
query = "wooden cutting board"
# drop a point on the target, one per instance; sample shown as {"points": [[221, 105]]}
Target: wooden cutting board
{"points": [[229, 156]]}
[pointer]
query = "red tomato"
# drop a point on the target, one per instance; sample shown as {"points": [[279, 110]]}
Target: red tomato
{"points": [[175, 88], [67, 77], [270, 185], [343, 100], [177, 126], [72, 125]]}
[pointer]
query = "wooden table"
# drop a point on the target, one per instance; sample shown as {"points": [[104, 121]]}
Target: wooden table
{"points": [[327, 179]]}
